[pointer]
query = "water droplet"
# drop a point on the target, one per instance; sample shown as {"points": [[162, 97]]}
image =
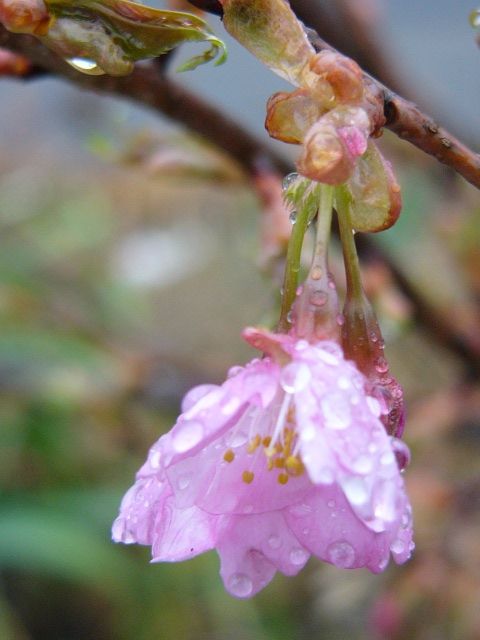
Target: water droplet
{"points": [[336, 411], [300, 510], [289, 180], [238, 439], [298, 556], [340, 320], [387, 458], [355, 491], [381, 365], [295, 377], [374, 406], [155, 459], [316, 273], [187, 435], [363, 464], [397, 546], [293, 216], [301, 345], [183, 482], [401, 452], [308, 433], [318, 298], [85, 65], [274, 542], [240, 585], [233, 371], [341, 554], [230, 406], [331, 504], [327, 357], [299, 290]]}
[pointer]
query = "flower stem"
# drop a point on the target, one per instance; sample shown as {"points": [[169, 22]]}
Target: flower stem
{"points": [[294, 251], [350, 256], [324, 225]]}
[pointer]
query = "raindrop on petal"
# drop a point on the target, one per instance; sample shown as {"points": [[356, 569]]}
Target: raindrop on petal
{"points": [[187, 435], [341, 554], [240, 585], [295, 377], [298, 556], [274, 542]]}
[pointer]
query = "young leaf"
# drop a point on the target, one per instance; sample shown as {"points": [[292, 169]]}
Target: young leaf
{"points": [[376, 200]]}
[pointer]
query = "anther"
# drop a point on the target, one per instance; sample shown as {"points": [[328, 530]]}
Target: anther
{"points": [[248, 476], [229, 456], [254, 444], [282, 478]]}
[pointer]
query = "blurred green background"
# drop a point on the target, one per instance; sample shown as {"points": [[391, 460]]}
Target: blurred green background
{"points": [[128, 267]]}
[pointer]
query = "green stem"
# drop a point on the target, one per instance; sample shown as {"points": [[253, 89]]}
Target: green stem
{"points": [[350, 256], [294, 251]]}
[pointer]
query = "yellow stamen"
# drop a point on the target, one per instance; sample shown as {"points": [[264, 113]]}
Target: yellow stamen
{"points": [[279, 463], [282, 478], [266, 441], [229, 456], [294, 466], [248, 476], [254, 444]]}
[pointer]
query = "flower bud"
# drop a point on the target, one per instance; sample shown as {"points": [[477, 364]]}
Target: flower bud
{"points": [[342, 74], [333, 144], [24, 16]]}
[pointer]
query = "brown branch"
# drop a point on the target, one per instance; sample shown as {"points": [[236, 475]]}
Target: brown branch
{"points": [[402, 117], [148, 87], [151, 88], [408, 122]]}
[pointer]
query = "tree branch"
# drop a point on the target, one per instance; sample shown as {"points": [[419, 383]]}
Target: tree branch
{"points": [[148, 87], [402, 117]]}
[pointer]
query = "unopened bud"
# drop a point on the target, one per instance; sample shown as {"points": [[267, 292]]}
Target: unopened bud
{"points": [[24, 16], [343, 75], [333, 144]]}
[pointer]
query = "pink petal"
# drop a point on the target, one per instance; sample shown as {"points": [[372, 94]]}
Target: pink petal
{"points": [[325, 524], [139, 510], [252, 547], [182, 533]]}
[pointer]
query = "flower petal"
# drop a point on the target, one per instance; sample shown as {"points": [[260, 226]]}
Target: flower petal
{"points": [[182, 533], [252, 547], [326, 525]]}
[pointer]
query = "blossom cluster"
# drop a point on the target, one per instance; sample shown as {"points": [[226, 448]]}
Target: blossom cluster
{"points": [[287, 458]]}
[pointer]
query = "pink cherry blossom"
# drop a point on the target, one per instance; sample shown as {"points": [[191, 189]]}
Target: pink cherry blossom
{"points": [[287, 458]]}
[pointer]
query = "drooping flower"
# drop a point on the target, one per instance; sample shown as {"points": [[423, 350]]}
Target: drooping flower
{"points": [[287, 458]]}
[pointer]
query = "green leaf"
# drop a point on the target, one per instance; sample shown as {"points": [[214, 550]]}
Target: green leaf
{"points": [[374, 191], [108, 36]]}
